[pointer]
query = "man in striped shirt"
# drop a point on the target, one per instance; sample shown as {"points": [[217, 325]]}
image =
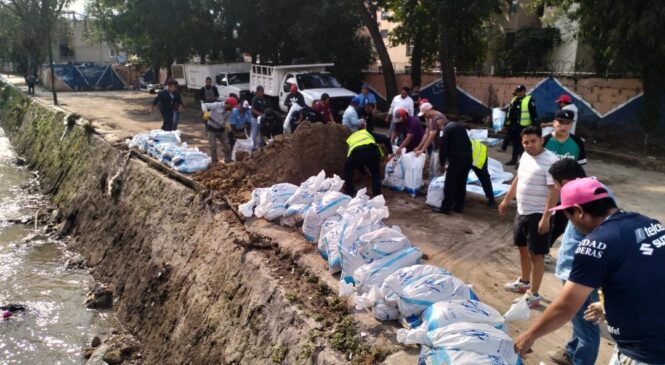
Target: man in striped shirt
{"points": [[534, 188]]}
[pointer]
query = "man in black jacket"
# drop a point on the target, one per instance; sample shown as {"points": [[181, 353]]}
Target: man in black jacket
{"points": [[167, 100], [208, 93], [455, 148]]}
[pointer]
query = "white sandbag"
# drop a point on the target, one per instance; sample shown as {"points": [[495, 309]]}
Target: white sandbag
{"points": [[418, 295], [241, 145], [394, 175], [434, 356], [498, 118], [475, 337], [383, 242], [435, 191], [413, 172], [334, 183], [273, 201], [247, 209], [374, 273], [404, 277], [498, 189], [481, 134], [385, 312], [322, 243], [294, 215], [330, 241], [287, 121], [321, 210], [357, 220], [306, 191], [445, 313], [519, 311]]}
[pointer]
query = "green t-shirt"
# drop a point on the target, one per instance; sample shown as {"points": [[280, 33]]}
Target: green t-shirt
{"points": [[572, 147]]}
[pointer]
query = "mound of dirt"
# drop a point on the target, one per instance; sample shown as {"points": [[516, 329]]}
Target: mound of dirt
{"points": [[293, 159]]}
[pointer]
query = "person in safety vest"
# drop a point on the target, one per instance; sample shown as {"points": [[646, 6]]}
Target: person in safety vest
{"points": [[521, 114], [363, 152], [479, 166]]}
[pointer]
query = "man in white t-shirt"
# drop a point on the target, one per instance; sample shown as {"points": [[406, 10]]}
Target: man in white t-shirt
{"points": [[536, 195], [401, 101]]}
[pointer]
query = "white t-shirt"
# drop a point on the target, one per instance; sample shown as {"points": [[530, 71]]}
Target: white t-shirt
{"points": [[401, 103], [533, 180], [573, 108]]}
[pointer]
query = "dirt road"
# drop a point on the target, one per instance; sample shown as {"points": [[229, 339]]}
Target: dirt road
{"points": [[475, 245]]}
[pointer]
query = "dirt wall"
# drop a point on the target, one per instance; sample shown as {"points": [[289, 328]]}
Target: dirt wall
{"points": [[190, 282]]}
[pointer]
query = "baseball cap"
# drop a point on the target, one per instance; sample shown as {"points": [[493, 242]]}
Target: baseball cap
{"points": [[401, 112], [520, 88], [356, 100], [565, 115], [365, 86], [425, 107], [564, 99], [580, 191], [294, 88], [231, 101], [259, 88]]}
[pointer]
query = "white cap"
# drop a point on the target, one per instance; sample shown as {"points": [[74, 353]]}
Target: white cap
{"points": [[425, 108]]}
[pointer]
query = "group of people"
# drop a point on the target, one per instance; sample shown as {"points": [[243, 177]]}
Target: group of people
{"points": [[603, 247]]}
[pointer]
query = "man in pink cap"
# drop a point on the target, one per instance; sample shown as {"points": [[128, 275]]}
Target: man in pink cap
{"points": [[624, 254]]}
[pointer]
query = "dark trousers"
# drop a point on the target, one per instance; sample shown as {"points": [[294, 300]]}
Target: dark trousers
{"points": [[485, 180], [514, 132], [454, 190], [167, 119], [361, 157], [558, 226], [31, 89]]}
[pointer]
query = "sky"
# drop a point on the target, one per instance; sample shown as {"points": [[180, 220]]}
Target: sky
{"points": [[77, 6]]}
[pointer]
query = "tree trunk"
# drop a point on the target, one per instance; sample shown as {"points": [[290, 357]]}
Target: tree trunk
{"points": [[417, 59], [228, 46], [447, 67], [388, 71], [653, 87]]}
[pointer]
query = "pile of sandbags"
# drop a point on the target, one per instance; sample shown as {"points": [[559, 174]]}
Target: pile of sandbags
{"points": [[382, 271], [166, 147]]}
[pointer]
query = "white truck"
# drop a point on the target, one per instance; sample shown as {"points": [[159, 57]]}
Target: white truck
{"points": [[228, 78], [312, 81]]}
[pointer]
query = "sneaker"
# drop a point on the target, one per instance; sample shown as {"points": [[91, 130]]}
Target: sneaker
{"points": [[549, 259], [533, 301], [560, 357], [517, 287]]}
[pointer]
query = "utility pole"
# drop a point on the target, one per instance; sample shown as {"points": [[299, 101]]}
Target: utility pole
{"points": [[45, 14]]}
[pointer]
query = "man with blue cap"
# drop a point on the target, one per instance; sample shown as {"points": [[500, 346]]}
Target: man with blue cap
{"points": [[365, 97]]}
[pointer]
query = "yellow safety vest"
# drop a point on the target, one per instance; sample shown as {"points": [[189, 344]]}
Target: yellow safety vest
{"points": [[525, 116], [360, 138], [479, 151]]}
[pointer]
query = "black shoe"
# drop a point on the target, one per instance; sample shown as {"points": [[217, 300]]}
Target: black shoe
{"points": [[459, 210], [511, 163], [442, 211], [491, 203]]}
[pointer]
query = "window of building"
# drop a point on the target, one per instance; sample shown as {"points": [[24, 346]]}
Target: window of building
{"points": [[384, 33], [409, 50]]}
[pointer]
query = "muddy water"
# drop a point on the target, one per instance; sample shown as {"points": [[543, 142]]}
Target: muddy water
{"points": [[56, 328]]}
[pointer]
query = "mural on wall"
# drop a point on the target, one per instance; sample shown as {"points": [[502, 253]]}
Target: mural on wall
{"points": [[545, 92], [85, 77]]}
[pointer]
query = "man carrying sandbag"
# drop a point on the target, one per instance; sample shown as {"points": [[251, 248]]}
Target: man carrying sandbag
{"points": [[363, 152], [217, 116]]}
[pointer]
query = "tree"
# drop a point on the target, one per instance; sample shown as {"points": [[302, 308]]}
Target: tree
{"points": [[456, 36], [629, 35], [367, 10], [29, 19]]}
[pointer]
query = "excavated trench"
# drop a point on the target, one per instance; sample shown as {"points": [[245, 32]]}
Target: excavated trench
{"points": [[192, 282]]}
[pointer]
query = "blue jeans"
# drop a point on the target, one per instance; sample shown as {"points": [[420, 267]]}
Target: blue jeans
{"points": [[583, 347], [176, 119], [255, 135]]}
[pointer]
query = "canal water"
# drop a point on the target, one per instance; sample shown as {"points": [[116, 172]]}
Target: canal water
{"points": [[56, 327]]}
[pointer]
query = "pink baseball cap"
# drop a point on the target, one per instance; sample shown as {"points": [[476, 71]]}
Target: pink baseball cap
{"points": [[580, 191], [564, 99], [425, 107]]}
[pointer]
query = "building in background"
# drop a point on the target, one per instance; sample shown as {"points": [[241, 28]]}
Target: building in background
{"points": [[72, 43]]}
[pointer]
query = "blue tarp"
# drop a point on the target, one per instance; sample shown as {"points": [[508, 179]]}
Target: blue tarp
{"points": [[88, 77]]}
